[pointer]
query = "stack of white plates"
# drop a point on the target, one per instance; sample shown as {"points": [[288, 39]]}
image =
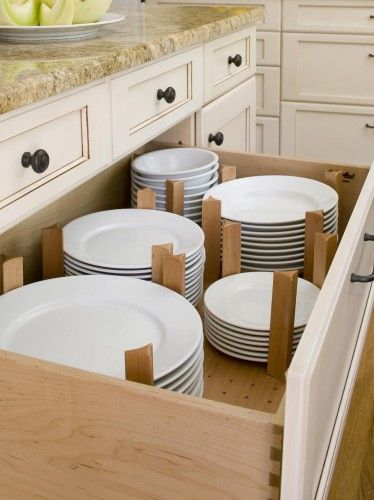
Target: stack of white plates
{"points": [[198, 169], [88, 322], [237, 311], [119, 242], [271, 210]]}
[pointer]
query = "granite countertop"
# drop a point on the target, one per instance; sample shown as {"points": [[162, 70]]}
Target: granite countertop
{"points": [[32, 72]]}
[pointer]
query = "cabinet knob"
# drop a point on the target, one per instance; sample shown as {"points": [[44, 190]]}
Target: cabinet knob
{"points": [[237, 60], [367, 125], [217, 138], [358, 278], [371, 54], [169, 95], [372, 16], [39, 161]]}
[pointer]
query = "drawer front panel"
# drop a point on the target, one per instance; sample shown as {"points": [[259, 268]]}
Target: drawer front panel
{"points": [[268, 91], [329, 16], [268, 49], [138, 115], [267, 135], [233, 115], [320, 375], [328, 68], [220, 74], [328, 132]]}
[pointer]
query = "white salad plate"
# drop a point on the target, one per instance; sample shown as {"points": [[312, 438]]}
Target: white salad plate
{"points": [[272, 199], [35, 34], [89, 322]]}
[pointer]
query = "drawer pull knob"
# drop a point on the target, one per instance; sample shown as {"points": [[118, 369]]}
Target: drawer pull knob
{"points": [[39, 161], [371, 54], [358, 278], [217, 138], [237, 60], [368, 237], [369, 126], [169, 95], [372, 16]]}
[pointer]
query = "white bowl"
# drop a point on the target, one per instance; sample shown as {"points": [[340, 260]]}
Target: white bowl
{"points": [[195, 180]]}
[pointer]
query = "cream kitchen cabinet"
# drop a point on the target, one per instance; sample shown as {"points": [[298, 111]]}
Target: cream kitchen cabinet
{"points": [[267, 135]]}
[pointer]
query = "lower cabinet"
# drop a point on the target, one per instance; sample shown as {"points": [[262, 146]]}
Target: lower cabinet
{"points": [[267, 135], [328, 132]]}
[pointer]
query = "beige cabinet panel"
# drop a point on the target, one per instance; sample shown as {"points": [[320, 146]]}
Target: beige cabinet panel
{"points": [[268, 48], [268, 90], [267, 135]]}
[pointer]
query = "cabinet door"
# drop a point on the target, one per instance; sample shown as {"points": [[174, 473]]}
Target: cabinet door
{"points": [[328, 132], [267, 135], [268, 91], [231, 117]]}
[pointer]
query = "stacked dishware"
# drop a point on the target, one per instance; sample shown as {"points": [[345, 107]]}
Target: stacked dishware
{"points": [[271, 210], [197, 168], [119, 242], [88, 322], [237, 312]]}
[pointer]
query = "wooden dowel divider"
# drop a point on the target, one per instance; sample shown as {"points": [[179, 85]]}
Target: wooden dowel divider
{"points": [[175, 197], [174, 270], [314, 222], [211, 224], [11, 273], [334, 178], [139, 365], [159, 252], [282, 323], [325, 246], [231, 248], [146, 198], [227, 173], [52, 252]]}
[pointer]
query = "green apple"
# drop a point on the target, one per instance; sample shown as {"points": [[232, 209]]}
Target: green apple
{"points": [[19, 12], [90, 11], [61, 13]]}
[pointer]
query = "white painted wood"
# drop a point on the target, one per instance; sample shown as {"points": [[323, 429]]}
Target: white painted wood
{"points": [[234, 115], [322, 366], [273, 9], [328, 68], [268, 52], [182, 133], [267, 135], [219, 75], [328, 16], [328, 132], [268, 90], [137, 114]]}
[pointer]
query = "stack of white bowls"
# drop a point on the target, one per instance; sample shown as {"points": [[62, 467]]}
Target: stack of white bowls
{"points": [[119, 242], [271, 210], [88, 322], [237, 312], [198, 168]]}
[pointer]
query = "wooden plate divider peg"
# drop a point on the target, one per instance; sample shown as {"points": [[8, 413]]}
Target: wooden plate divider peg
{"points": [[334, 178], [52, 252], [314, 222], [175, 197], [325, 246], [227, 173], [146, 198], [11, 273], [211, 224], [231, 248]]}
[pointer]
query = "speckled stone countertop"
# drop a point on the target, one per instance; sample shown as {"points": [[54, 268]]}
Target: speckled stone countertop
{"points": [[32, 72]]}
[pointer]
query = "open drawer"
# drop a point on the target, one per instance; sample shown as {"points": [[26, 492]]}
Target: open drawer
{"points": [[94, 436]]}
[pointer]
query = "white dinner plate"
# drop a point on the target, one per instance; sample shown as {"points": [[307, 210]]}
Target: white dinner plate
{"points": [[89, 322], [244, 300], [272, 199], [260, 269], [35, 34], [252, 252], [273, 262], [124, 238], [284, 234], [332, 217]]}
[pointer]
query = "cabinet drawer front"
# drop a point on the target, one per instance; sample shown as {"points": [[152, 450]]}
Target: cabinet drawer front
{"points": [[268, 91], [328, 132], [267, 135], [328, 68], [233, 115], [138, 112], [268, 48], [329, 16], [320, 375], [222, 75]]}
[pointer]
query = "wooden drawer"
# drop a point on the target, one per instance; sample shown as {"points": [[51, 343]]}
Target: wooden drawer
{"points": [[329, 16], [232, 115], [267, 135], [268, 91], [328, 132], [268, 48], [229, 61], [139, 113], [328, 68]]}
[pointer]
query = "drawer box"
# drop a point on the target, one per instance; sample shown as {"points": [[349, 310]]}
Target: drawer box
{"points": [[268, 91], [139, 112], [233, 115], [220, 74], [268, 48], [328, 132], [267, 135], [329, 16], [328, 68]]}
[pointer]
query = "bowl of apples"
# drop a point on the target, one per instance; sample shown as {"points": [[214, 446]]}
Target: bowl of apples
{"points": [[53, 20]]}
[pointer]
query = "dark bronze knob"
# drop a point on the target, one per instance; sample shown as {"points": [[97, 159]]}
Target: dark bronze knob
{"points": [[217, 138], [371, 54], [367, 125], [169, 95], [237, 60], [39, 161]]}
